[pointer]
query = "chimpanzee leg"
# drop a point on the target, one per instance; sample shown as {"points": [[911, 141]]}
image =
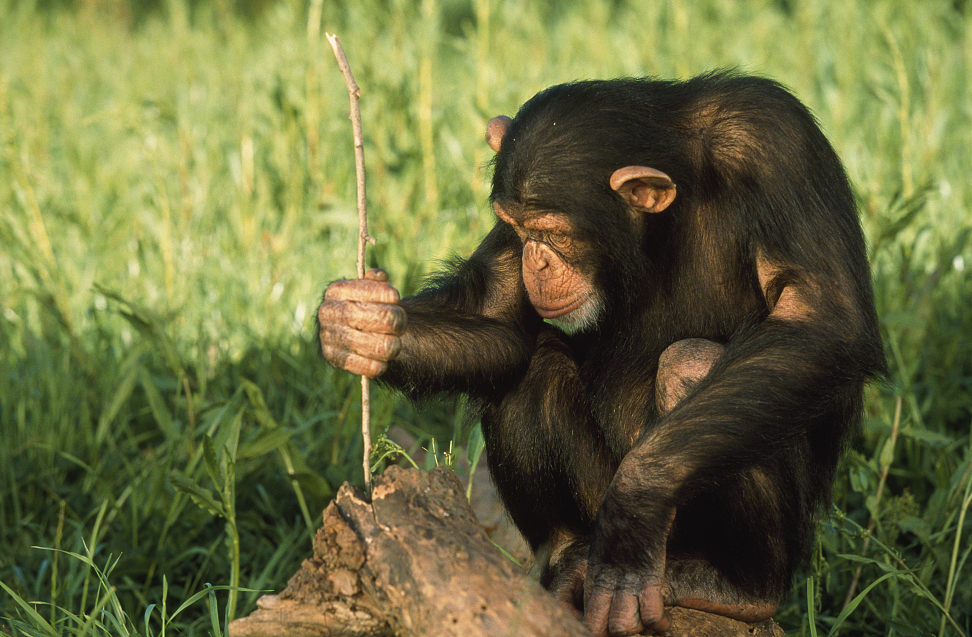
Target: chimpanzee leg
{"points": [[548, 457], [551, 465], [711, 528], [726, 551], [549, 460]]}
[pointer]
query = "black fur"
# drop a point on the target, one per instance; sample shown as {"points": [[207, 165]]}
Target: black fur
{"points": [[574, 441]]}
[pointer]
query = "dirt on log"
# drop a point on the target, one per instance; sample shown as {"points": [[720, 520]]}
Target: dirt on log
{"points": [[419, 563]]}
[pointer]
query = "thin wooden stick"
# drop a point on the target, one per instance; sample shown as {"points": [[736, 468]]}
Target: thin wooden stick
{"points": [[354, 94]]}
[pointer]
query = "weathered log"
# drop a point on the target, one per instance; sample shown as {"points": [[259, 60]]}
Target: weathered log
{"points": [[419, 563]]}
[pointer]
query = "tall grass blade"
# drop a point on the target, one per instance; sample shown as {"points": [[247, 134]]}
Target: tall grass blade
{"points": [[34, 616]]}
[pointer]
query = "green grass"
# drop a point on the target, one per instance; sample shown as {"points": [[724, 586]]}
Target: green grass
{"points": [[176, 188]]}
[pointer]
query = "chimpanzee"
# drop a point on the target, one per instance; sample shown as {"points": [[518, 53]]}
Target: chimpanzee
{"points": [[666, 336]]}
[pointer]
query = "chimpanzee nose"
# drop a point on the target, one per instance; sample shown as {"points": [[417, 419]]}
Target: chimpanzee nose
{"points": [[534, 256]]}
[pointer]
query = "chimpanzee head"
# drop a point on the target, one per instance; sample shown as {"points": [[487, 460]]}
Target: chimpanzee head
{"points": [[564, 180]]}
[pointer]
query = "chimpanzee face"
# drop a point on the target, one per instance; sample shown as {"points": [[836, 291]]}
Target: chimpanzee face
{"points": [[558, 290]]}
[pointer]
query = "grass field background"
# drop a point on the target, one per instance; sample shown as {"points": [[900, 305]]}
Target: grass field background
{"points": [[176, 189]]}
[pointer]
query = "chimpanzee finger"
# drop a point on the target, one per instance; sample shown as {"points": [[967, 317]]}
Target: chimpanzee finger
{"points": [[624, 617], [598, 610], [653, 614], [380, 318], [353, 363], [362, 290], [379, 347]]}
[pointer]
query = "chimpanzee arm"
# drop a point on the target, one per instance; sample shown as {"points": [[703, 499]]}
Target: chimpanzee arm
{"points": [[472, 329], [781, 396]]}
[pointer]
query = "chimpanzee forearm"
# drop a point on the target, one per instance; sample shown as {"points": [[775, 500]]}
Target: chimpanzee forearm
{"points": [[451, 353], [779, 402], [770, 389], [772, 398], [471, 330]]}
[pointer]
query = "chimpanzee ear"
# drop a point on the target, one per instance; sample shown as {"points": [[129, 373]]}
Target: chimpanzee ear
{"points": [[645, 189], [496, 130]]}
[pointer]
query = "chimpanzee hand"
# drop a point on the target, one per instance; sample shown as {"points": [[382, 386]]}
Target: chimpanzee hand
{"points": [[360, 323], [625, 584], [623, 600]]}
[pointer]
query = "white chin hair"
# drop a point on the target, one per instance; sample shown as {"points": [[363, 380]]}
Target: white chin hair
{"points": [[580, 319]]}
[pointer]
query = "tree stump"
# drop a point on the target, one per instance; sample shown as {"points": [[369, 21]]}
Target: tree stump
{"points": [[419, 563]]}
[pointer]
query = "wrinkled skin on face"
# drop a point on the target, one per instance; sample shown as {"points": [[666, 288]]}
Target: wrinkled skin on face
{"points": [[557, 289]]}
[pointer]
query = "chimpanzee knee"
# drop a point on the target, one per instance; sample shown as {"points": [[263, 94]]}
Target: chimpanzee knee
{"points": [[680, 368]]}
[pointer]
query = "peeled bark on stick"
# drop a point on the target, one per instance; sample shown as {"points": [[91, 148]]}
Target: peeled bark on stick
{"points": [[354, 95], [419, 563]]}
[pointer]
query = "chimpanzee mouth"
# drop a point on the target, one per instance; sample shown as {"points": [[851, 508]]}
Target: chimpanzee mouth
{"points": [[554, 312], [577, 316]]}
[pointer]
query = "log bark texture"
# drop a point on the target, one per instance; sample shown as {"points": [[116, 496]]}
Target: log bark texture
{"points": [[419, 563]]}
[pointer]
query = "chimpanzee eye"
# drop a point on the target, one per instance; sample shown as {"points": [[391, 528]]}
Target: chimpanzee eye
{"points": [[559, 242]]}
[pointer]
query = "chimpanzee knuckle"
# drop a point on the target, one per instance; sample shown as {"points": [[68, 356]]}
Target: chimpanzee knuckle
{"points": [[361, 316], [336, 356], [391, 346], [336, 335], [363, 366], [385, 293], [376, 292], [331, 313], [377, 318], [337, 291], [394, 319], [379, 347], [653, 613], [341, 358], [658, 623], [341, 291], [362, 291], [357, 343]]}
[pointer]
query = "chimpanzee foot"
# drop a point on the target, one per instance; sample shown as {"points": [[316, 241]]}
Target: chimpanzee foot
{"points": [[748, 612], [571, 597], [697, 584], [566, 581]]}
